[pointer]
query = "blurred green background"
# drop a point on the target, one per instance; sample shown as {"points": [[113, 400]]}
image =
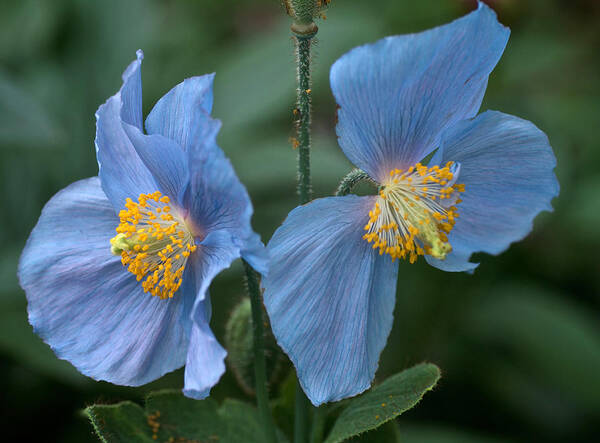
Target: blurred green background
{"points": [[518, 341]]}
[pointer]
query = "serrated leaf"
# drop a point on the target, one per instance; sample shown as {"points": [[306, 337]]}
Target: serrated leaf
{"points": [[385, 402], [171, 417], [122, 422]]}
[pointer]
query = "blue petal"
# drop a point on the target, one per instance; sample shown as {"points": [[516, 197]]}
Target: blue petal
{"points": [[87, 306], [179, 112], [206, 357], [122, 172], [131, 92], [396, 96], [330, 296], [205, 360], [165, 160], [507, 169], [255, 253], [216, 198]]}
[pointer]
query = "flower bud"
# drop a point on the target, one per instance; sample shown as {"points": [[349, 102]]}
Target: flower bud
{"points": [[304, 12], [240, 350]]}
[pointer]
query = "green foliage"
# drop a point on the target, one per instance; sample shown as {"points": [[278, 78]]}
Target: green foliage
{"points": [[385, 402], [171, 417]]}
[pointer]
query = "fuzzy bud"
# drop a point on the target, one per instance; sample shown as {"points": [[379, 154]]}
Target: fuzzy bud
{"points": [[304, 12], [240, 351]]}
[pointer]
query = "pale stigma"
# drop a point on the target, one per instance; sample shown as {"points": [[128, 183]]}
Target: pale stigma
{"points": [[414, 212], [154, 243]]}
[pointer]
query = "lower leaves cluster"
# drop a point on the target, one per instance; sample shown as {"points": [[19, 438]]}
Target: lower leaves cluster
{"points": [[169, 417]]}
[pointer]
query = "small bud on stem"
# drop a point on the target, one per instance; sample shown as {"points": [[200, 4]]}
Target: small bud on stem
{"points": [[304, 12]]}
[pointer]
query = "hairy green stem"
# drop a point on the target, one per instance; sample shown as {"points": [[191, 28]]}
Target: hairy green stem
{"points": [[260, 367], [303, 35], [353, 178], [303, 45]]}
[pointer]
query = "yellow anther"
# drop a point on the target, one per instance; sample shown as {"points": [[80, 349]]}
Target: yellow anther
{"points": [[404, 202], [153, 248]]}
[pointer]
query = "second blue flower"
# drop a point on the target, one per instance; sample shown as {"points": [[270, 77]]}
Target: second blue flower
{"points": [[331, 287]]}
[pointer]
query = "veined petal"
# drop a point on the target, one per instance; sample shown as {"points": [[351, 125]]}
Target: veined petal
{"points": [[507, 169], [205, 360], [164, 158], [179, 112], [396, 96], [255, 253], [330, 296], [87, 306], [131, 92], [216, 198], [206, 357], [122, 172]]}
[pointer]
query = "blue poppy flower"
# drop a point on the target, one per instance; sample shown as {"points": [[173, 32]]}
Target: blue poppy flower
{"points": [[117, 269], [330, 290]]}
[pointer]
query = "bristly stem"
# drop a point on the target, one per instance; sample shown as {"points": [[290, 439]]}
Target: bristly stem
{"points": [[353, 178], [260, 367], [303, 46], [303, 35]]}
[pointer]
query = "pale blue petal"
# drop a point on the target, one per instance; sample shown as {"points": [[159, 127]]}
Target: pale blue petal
{"points": [[396, 96], [179, 112], [164, 158], [216, 198], [330, 296], [215, 252], [205, 360], [87, 306], [122, 172], [206, 357], [507, 169], [131, 92], [255, 253]]}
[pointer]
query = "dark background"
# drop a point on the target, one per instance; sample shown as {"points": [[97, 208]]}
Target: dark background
{"points": [[518, 341]]}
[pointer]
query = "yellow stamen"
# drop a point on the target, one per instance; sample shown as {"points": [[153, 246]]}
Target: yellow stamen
{"points": [[154, 243], [414, 212]]}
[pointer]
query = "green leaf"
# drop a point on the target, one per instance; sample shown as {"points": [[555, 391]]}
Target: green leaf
{"points": [[169, 416], [394, 396]]}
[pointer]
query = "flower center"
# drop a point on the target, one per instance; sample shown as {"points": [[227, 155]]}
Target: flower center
{"points": [[154, 243], [415, 211]]}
